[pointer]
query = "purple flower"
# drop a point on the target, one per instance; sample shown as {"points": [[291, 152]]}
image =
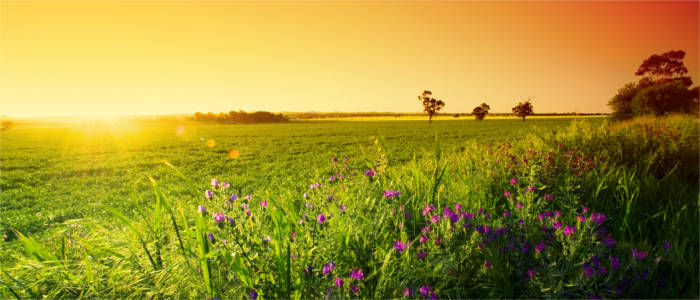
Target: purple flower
{"points": [[407, 215], [422, 254], [342, 207], [428, 209], [291, 235], [458, 207], [225, 184], [328, 268], [208, 194], [333, 159], [585, 209], [338, 282], [321, 218], [211, 238], [370, 173], [513, 181], [638, 254], [568, 230], [531, 273], [614, 262], [406, 292], [506, 194], [202, 210], [391, 193], [469, 216], [587, 271], [548, 197], [540, 246], [438, 241], [306, 195], [263, 204], [519, 205], [230, 220], [433, 296], [423, 238], [487, 264], [424, 290], [581, 218], [399, 246], [354, 289], [357, 274], [506, 214], [556, 225], [557, 214], [267, 239], [234, 197], [666, 245], [219, 217], [609, 241], [332, 178], [435, 219], [247, 212], [253, 294], [214, 183]]}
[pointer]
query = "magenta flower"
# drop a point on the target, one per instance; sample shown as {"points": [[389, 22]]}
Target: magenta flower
{"points": [[219, 217], [638, 254], [585, 209], [530, 189], [428, 209], [370, 173], [614, 262], [211, 238], [438, 241], [435, 219], [422, 254], [458, 207], [338, 282], [263, 204], [540, 217], [597, 218], [433, 296], [244, 205], [581, 218], [247, 197], [424, 290], [423, 238], [214, 183], [354, 289], [267, 239], [253, 295], [333, 159], [391, 193], [519, 205], [556, 225], [225, 184], [506, 194], [357, 274], [328, 268], [487, 264], [247, 212], [666, 245], [513, 181], [291, 235], [531, 273], [540, 246], [399, 246], [506, 214], [587, 271], [202, 210], [342, 207], [548, 197], [568, 230], [321, 218], [406, 292], [208, 194], [332, 178], [608, 240]]}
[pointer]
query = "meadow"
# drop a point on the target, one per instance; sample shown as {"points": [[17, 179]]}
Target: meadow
{"points": [[551, 207]]}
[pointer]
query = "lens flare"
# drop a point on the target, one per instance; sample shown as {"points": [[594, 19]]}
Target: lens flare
{"points": [[180, 130], [211, 143], [233, 153]]}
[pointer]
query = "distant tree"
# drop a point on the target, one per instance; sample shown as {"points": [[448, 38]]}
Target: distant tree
{"points": [[481, 111], [523, 109], [431, 106], [663, 89], [7, 125]]}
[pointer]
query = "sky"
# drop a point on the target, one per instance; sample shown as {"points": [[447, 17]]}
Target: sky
{"points": [[117, 58]]}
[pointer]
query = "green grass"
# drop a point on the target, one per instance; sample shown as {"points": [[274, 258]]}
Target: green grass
{"points": [[116, 232]]}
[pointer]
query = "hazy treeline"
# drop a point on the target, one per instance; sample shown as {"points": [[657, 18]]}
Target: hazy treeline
{"points": [[240, 117], [324, 115]]}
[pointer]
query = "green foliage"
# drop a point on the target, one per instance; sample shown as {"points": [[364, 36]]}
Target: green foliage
{"points": [[523, 109]]}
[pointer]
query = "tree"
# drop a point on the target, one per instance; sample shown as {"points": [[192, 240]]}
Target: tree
{"points": [[7, 125], [481, 111], [523, 109], [664, 88], [431, 106]]}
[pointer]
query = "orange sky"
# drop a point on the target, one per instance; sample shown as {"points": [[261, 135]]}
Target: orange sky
{"points": [[106, 58]]}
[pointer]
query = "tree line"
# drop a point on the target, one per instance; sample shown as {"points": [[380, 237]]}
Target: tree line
{"points": [[240, 117]]}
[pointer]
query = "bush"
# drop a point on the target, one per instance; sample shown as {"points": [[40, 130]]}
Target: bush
{"points": [[663, 98]]}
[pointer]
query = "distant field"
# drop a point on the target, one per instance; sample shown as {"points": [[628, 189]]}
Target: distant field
{"points": [[58, 170]]}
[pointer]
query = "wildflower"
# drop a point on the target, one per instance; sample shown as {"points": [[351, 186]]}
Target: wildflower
{"points": [[513, 181], [469, 216], [487, 216], [301, 222], [435, 219], [267, 239], [568, 230], [306, 195], [225, 184], [332, 178], [342, 207], [219, 217], [328, 268], [391, 193], [638, 254], [354, 289], [433, 296], [407, 215], [506, 214], [399, 246], [540, 217], [519, 205], [345, 159], [521, 222], [263, 204], [530, 189], [557, 214], [214, 183], [587, 271], [531, 273], [406, 292], [424, 290], [247, 212], [614, 262], [291, 235], [234, 197], [548, 197], [556, 225], [603, 271], [330, 197], [202, 210], [506, 194], [423, 238], [438, 241], [338, 282], [208, 194], [428, 209], [244, 205], [581, 218], [357, 274], [458, 207], [253, 294], [320, 218], [666, 245], [540, 246], [585, 209], [370, 173], [230, 220], [487, 264], [422, 254], [247, 197], [333, 159], [211, 238]]}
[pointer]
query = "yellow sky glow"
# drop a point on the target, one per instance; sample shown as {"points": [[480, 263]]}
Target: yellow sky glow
{"points": [[118, 58]]}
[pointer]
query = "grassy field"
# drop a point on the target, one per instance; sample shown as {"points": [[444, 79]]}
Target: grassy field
{"points": [[552, 207]]}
